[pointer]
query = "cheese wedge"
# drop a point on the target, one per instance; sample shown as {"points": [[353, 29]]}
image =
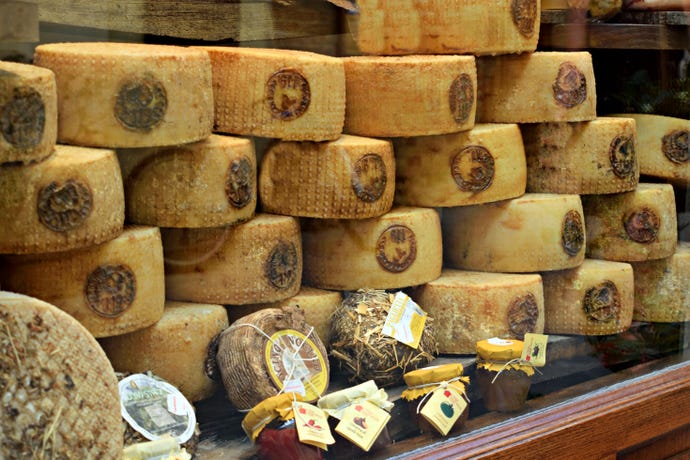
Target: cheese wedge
{"points": [[130, 94]]}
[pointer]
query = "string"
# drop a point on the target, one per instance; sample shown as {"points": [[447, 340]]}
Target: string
{"points": [[518, 361]]}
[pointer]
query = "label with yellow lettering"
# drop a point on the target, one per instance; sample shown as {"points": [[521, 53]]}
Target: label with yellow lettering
{"points": [[362, 423], [405, 321], [312, 425], [443, 408], [534, 349]]}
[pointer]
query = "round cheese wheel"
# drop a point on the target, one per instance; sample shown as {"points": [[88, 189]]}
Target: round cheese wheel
{"points": [[129, 94], [72, 199], [28, 112]]}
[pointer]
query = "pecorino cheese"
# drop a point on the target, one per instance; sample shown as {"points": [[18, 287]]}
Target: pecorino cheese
{"points": [[398, 249], [59, 391], [349, 178], [72, 199], [484, 164], [130, 94], [590, 157], [390, 96], [254, 262], [471, 306], [535, 232], [209, 183], [536, 87], [286, 94], [596, 298], [28, 113], [111, 288]]}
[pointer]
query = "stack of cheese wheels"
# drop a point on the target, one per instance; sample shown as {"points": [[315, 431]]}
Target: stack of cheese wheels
{"points": [[28, 113], [111, 288], [293, 95], [349, 178], [179, 348], [484, 164], [130, 94], [590, 157], [469, 306], [209, 183]]}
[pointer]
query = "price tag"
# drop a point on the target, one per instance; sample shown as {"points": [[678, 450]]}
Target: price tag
{"points": [[405, 321], [312, 425], [362, 423], [443, 408], [534, 349]]}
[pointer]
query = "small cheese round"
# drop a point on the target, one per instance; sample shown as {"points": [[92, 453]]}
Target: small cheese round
{"points": [[209, 183], [349, 178], [130, 94], [484, 164], [254, 262], [398, 249], [28, 113], [390, 96], [72, 199], [286, 94]]}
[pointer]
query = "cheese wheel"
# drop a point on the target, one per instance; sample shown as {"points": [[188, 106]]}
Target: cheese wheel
{"points": [[470, 306], [349, 178], [484, 164], [535, 232], [400, 248], [72, 199], [441, 27], [178, 348], [632, 226], [589, 157], [59, 392], [596, 298], [409, 95], [287, 94], [209, 183], [536, 87], [130, 94], [254, 262], [111, 288], [28, 113]]}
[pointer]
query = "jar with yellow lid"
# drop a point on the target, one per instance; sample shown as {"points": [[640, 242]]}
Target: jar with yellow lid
{"points": [[503, 378]]}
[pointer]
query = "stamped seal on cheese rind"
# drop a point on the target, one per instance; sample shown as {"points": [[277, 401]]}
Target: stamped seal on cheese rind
{"points": [[622, 156], [642, 225], [110, 289], [396, 248], [461, 98], [473, 168], [570, 87], [141, 103], [676, 146], [64, 207], [281, 266], [524, 14], [239, 183], [369, 178], [602, 302], [289, 94], [523, 313], [572, 233], [22, 119]]}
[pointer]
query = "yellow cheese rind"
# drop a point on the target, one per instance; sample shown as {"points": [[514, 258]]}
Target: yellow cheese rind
{"points": [[254, 262], [484, 164], [349, 178], [28, 113], [130, 94], [596, 298], [209, 183], [535, 232], [398, 249], [112, 288], [389, 96], [73, 199]]}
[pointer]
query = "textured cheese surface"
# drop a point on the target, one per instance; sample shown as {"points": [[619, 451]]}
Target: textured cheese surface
{"points": [[536, 87], [484, 164], [390, 96], [176, 348], [400, 248], [596, 298], [471, 306], [130, 94], [209, 183], [111, 288], [72, 199], [59, 391], [442, 27], [589, 157], [535, 232], [254, 262], [350, 178], [28, 112], [286, 94], [632, 226]]}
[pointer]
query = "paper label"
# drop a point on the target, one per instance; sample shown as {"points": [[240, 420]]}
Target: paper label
{"points": [[534, 350], [405, 321], [443, 408], [312, 425], [362, 423]]}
